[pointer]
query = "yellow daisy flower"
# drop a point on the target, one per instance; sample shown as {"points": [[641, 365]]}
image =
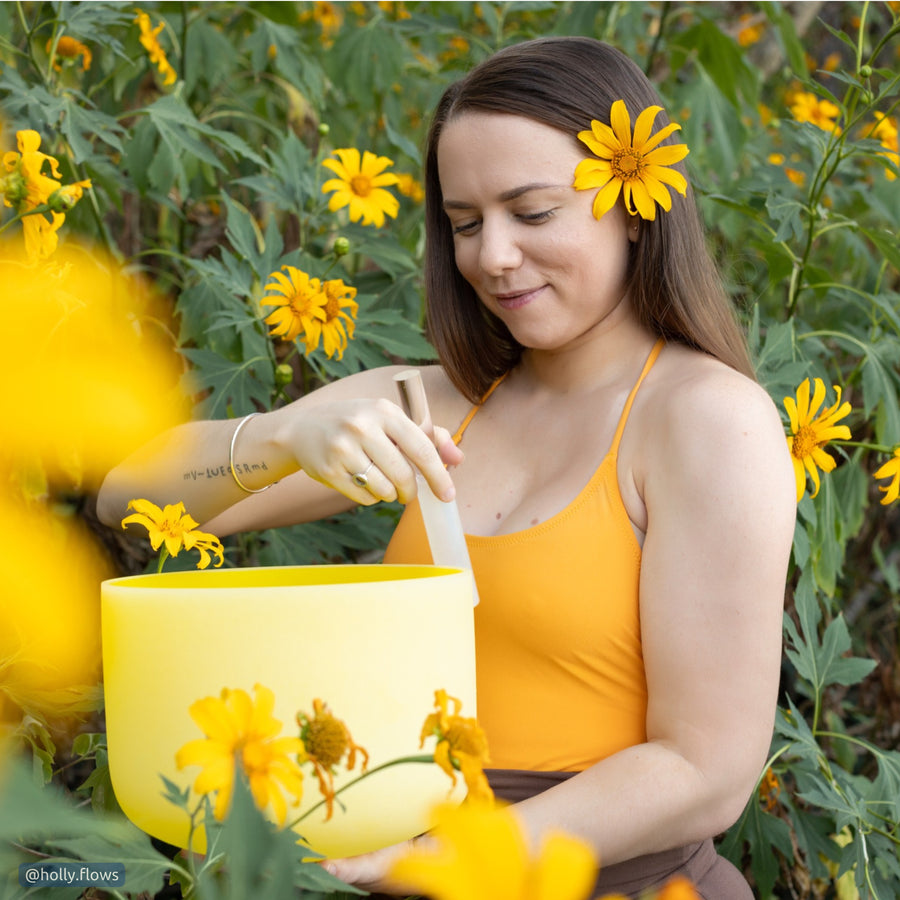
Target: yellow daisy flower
{"points": [[173, 527], [327, 740], [337, 328], [360, 184], [634, 165], [300, 302], [329, 17], [806, 107], [478, 852], [461, 744], [811, 430], [409, 187], [240, 731], [69, 48], [150, 42], [25, 187], [885, 130], [891, 469]]}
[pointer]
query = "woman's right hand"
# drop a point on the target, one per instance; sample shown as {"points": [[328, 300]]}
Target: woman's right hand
{"points": [[334, 440]]}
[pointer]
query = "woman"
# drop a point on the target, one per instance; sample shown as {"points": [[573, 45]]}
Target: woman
{"points": [[625, 489]]}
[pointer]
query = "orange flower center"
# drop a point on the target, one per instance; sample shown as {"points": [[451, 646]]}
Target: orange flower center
{"points": [[361, 185], [805, 441], [627, 164]]}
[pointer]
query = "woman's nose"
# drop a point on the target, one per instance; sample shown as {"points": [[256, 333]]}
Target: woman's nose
{"points": [[499, 250]]}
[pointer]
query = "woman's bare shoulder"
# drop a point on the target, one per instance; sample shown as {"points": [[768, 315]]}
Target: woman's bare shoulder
{"points": [[696, 394]]}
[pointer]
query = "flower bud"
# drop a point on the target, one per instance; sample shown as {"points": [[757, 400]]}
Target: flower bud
{"points": [[284, 374], [14, 189], [324, 129], [865, 71], [341, 246], [65, 197]]}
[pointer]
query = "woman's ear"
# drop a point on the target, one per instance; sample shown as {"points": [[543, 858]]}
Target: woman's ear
{"points": [[634, 228]]}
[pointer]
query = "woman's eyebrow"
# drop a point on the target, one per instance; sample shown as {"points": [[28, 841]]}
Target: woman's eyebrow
{"points": [[511, 194]]}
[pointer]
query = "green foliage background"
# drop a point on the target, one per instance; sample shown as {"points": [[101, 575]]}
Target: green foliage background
{"points": [[212, 183]]}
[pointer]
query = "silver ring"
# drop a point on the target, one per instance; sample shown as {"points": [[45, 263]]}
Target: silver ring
{"points": [[361, 479]]}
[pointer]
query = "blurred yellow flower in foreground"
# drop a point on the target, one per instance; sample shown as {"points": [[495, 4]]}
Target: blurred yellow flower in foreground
{"points": [[242, 732], [461, 744], [478, 852], [173, 527], [25, 186], [90, 369], [150, 42], [327, 740], [49, 614], [812, 430], [891, 469], [360, 185]]}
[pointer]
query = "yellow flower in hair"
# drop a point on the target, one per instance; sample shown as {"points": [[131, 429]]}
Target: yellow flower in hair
{"points": [[631, 164], [891, 469], [360, 185], [811, 430]]}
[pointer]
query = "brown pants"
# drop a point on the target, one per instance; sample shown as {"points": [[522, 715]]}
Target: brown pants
{"points": [[713, 876]]}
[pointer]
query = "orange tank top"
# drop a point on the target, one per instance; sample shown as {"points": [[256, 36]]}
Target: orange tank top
{"points": [[559, 667]]}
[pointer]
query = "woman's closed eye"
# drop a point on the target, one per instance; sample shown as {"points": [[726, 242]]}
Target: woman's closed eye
{"points": [[536, 218]]}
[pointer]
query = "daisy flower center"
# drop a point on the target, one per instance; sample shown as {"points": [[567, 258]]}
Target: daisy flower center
{"points": [[361, 185], [627, 164], [326, 740], [805, 441]]}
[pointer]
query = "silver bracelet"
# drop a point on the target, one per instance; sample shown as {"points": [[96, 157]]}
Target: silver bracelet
{"points": [[234, 473]]}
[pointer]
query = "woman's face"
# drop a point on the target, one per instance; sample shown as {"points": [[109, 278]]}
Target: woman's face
{"points": [[524, 238]]}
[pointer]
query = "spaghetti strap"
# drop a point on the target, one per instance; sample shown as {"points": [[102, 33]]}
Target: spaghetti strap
{"points": [[458, 436], [648, 365]]}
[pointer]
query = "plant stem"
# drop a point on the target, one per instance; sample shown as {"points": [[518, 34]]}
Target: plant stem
{"points": [[419, 758]]}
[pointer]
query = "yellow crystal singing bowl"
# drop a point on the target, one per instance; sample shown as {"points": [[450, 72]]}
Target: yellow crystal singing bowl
{"points": [[374, 642]]}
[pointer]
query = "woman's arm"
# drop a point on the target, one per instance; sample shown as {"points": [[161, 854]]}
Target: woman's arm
{"points": [[330, 434], [721, 507]]}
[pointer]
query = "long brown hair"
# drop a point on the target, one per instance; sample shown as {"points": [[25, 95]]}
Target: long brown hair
{"points": [[674, 287]]}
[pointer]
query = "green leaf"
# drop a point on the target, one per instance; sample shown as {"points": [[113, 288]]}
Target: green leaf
{"points": [[762, 833], [144, 865], [234, 386], [787, 214], [879, 382]]}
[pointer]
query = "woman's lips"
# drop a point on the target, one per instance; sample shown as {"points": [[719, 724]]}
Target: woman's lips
{"points": [[516, 299]]}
